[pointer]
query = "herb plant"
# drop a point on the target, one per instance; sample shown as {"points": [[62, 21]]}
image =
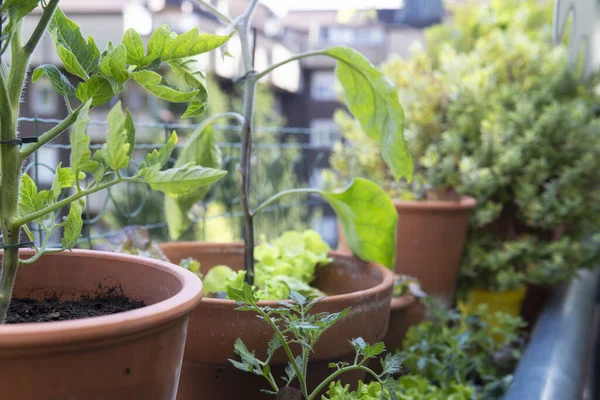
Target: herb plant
{"points": [[100, 77], [367, 215], [293, 324]]}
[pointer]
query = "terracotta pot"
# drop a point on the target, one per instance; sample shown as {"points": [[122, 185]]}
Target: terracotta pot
{"points": [[130, 355], [349, 282], [429, 244], [400, 318]]}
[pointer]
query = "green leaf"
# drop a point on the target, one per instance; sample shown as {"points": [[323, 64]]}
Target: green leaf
{"points": [[196, 108], [80, 142], [16, 10], [156, 85], [67, 34], [190, 44], [114, 64], [71, 63], [373, 350], [29, 199], [116, 149], [135, 47], [159, 37], [130, 128], [59, 81], [183, 180], [202, 150], [368, 219], [189, 70], [158, 158], [63, 178], [97, 88], [373, 100], [73, 225]]}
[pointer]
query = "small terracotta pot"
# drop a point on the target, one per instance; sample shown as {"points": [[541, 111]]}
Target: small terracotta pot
{"points": [[400, 318], [349, 282], [130, 355], [429, 243]]}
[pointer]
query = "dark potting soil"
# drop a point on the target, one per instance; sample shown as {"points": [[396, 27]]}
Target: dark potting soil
{"points": [[27, 310]]}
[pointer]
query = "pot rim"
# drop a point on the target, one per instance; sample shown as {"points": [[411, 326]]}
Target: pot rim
{"points": [[119, 324], [465, 203], [387, 274], [399, 303]]}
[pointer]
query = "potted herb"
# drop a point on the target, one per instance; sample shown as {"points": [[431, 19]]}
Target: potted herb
{"points": [[74, 356], [367, 216], [521, 137]]}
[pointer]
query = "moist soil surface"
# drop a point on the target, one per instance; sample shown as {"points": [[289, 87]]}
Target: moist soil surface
{"points": [[27, 310]]}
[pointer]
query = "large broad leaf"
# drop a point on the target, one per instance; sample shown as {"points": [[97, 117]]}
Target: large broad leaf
{"points": [[202, 150], [183, 180], [97, 88], [66, 34], [115, 151], [29, 199], [114, 64], [156, 85], [80, 142], [368, 218], [373, 100], [59, 81], [135, 47], [73, 225]]}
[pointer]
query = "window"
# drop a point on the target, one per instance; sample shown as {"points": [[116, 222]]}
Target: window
{"points": [[324, 132], [323, 86], [43, 99]]}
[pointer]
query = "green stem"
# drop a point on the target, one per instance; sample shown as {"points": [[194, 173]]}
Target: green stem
{"points": [[339, 372], [46, 137], [297, 57], [288, 352], [41, 27], [66, 201], [215, 11], [279, 195]]}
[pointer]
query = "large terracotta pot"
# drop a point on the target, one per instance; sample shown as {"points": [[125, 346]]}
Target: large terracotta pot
{"points": [[349, 282], [130, 355], [429, 243], [402, 315]]}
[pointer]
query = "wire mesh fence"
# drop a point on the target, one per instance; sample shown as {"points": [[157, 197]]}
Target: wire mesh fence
{"points": [[283, 158]]}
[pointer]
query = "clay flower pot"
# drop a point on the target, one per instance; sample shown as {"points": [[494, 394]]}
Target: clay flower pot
{"points": [[130, 355], [349, 282], [402, 311], [430, 241]]}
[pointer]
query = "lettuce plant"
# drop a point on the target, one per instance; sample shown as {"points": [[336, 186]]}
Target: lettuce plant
{"points": [[366, 213], [99, 77]]}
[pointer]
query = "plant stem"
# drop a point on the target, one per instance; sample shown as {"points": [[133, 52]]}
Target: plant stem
{"points": [[243, 30], [297, 57], [277, 196], [215, 11], [339, 372], [48, 136], [41, 27]]}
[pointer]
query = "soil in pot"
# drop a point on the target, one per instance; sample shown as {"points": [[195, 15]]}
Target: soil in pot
{"points": [[206, 373], [135, 354], [52, 309]]}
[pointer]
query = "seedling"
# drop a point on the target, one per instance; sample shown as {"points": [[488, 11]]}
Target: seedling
{"points": [[366, 213], [100, 77]]}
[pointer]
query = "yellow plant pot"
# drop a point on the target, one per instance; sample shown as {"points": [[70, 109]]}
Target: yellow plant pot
{"points": [[508, 302]]}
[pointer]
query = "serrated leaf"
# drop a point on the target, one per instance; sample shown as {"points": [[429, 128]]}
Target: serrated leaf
{"points": [[135, 47], [60, 83], [63, 178], [391, 364], [297, 298], [157, 40], [368, 219], [156, 85], [183, 180], [202, 150], [67, 34], [97, 88], [190, 44], [373, 99], [116, 149], [29, 199], [114, 64], [73, 225], [80, 142], [373, 350]]}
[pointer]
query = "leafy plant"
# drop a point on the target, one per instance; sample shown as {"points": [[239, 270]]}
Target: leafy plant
{"points": [[293, 324], [404, 284], [100, 77], [366, 213], [454, 349]]}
